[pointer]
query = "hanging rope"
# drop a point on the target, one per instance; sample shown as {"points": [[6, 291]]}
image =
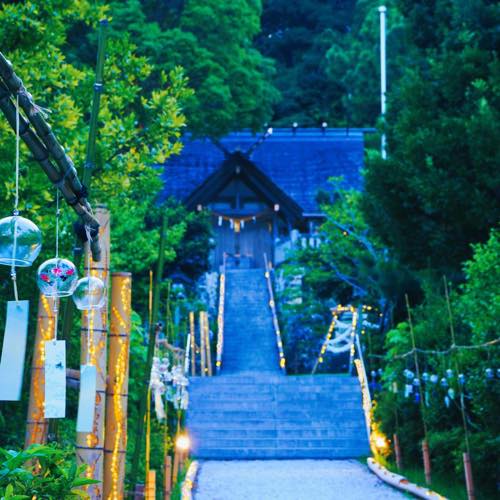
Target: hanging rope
{"points": [[13, 274], [90, 312], [58, 214]]}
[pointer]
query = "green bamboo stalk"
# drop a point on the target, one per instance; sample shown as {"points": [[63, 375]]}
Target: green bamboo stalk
{"points": [[94, 114], [153, 330], [69, 306]]}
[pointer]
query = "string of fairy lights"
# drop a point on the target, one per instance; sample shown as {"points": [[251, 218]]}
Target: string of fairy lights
{"points": [[220, 321], [272, 305]]}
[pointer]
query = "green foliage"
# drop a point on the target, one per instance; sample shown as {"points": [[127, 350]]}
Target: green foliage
{"points": [[42, 472], [52, 47], [482, 396], [212, 40], [297, 34], [436, 193], [479, 303], [353, 61]]}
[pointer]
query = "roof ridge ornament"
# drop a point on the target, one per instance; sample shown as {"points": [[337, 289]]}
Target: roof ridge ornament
{"points": [[259, 141]]}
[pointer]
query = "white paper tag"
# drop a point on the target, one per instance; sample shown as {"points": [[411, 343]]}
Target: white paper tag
{"points": [[55, 379], [86, 401], [13, 350]]}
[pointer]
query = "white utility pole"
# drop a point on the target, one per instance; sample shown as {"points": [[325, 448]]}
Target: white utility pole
{"points": [[383, 74]]}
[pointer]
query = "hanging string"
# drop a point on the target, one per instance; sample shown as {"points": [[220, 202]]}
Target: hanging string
{"points": [[58, 214], [90, 312], [16, 199], [13, 274]]}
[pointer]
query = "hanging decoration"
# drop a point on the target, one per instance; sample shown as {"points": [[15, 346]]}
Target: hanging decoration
{"points": [[89, 293], [57, 277], [13, 350], [20, 244], [238, 223], [55, 378], [20, 241]]}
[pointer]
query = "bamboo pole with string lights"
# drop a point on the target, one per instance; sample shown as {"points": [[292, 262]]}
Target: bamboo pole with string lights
{"points": [[117, 388], [153, 330], [36, 424], [94, 333], [193, 343], [201, 329], [206, 330]]}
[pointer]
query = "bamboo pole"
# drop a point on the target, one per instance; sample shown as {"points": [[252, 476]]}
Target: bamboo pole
{"points": [[44, 143], [193, 343], [148, 435], [90, 446], [397, 452], [150, 491], [69, 307], [117, 389], [175, 470], [469, 481], [207, 342], [425, 443], [202, 345], [153, 329], [167, 478], [466, 456], [36, 425]]}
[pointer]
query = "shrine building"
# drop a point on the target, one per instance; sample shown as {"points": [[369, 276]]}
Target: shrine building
{"points": [[262, 191]]}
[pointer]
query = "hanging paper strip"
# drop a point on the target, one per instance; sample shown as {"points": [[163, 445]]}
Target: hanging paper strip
{"points": [[159, 408], [13, 350], [86, 401], [55, 379]]}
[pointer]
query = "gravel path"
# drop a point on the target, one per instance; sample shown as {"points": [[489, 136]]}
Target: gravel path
{"points": [[290, 480]]}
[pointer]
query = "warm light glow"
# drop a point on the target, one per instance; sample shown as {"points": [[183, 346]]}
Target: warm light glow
{"points": [[182, 443]]}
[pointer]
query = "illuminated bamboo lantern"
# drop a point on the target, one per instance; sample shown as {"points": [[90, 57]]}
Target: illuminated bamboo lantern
{"points": [[117, 388], [36, 424], [90, 446], [150, 490], [202, 345], [207, 342], [193, 343]]}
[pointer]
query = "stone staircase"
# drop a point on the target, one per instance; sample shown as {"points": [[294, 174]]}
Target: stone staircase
{"points": [[249, 339], [252, 410]]}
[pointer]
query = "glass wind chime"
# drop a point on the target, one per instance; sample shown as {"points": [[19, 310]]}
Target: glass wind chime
{"points": [[20, 245], [89, 295], [168, 381], [56, 278]]}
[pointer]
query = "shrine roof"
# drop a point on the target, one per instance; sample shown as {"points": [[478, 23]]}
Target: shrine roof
{"points": [[298, 162]]}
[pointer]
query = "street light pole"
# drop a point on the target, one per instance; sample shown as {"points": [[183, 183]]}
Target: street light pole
{"points": [[383, 75]]}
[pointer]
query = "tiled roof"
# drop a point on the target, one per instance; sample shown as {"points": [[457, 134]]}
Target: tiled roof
{"points": [[300, 164]]}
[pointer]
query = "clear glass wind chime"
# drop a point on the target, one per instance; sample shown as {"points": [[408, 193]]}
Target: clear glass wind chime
{"points": [[56, 278], [20, 245], [89, 295]]}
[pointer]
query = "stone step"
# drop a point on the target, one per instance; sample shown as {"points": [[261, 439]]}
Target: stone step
{"points": [[282, 453], [281, 443], [272, 432]]}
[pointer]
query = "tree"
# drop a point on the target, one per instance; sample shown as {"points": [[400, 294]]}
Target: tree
{"points": [[353, 61], [298, 34], [438, 191], [137, 128], [212, 40]]}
